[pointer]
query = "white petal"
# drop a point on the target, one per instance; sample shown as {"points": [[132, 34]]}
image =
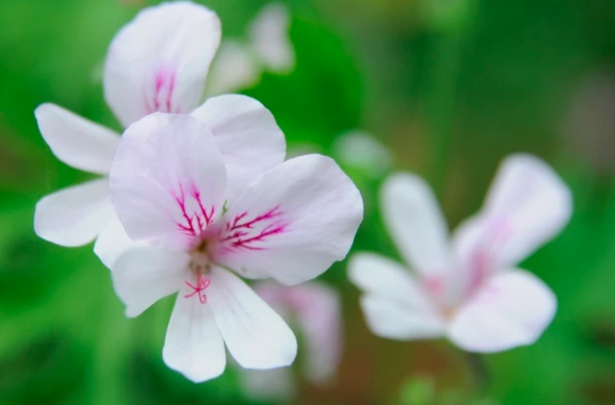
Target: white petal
{"points": [[316, 309], [142, 276], [112, 242], [395, 304], [527, 206], [248, 137], [193, 345], [159, 61], [168, 180], [416, 224], [270, 39], [293, 222], [255, 335], [78, 142], [512, 309], [234, 68], [74, 216]]}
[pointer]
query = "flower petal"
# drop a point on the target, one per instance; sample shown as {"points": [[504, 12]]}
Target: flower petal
{"points": [[142, 276], [112, 242], [159, 61], [293, 222], [74, 216], [193, 345], [248, 137], [78, 142], [234, 68], [416, 224], [255, 335], [511, 309], [394, 304], [270, 39], [527, 206], [168, 180]]}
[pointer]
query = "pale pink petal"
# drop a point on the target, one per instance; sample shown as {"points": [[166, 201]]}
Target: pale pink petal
{"points": [[234, 68], [270, 39], [527, 205], [193, 345], [143, 275], [74, 216], [159, 61], [293, 222], [511, 309], [417, 226], [112, 242], [248, 137], [395, 304], [168, 181], [255, 335], [316, 309], [78, 142]]}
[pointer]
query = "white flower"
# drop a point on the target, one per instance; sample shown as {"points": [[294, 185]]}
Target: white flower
{"points": [[360, 150], [174, 196], [240, 65], [316, 310], [158, 62], [469, 290]]}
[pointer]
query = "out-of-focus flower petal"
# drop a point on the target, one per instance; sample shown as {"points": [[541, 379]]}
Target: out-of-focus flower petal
{"points": [[361, 150], [194, 345], [78, 142], [395, 305], [159, 61], [246, 134], [527, 206], [293, 222], [168, 180], [255, 334], [417, 226], [142, 276], [511, 309], [74, 216], [270, 39], [234, 68]]}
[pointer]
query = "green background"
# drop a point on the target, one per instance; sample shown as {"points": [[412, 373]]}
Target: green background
{"points": [[450, 86]]}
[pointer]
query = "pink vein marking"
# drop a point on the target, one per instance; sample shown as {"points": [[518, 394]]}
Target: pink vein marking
{"points": [[164, 86], [202, 217], [199, 289], [239, 235]]}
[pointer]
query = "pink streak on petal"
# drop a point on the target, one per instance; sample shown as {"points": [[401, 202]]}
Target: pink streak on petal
{"points": [[162, 97], [247, 234], [195, 219]]}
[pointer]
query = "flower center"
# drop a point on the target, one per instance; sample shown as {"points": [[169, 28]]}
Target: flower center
{"points": [[200, 265]]}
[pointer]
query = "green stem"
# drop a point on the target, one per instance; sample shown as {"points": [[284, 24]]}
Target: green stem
{"points": [[478, 369]]}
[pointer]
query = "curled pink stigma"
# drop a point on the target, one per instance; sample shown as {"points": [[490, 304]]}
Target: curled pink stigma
{"points": [[199, 289]]}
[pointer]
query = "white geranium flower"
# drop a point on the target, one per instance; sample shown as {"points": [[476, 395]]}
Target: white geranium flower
{"points": [[240, 65], [470, 289], [158, 62], [315, 309], [174, 196]]}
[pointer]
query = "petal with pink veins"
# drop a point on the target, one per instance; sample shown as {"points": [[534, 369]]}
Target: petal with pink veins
{"points": [[75, 215], [248, 137], [293, 222], [395, 304], [168, 181], [143, 275], [511, 309], [417, 226], [527, 205], [159, 61], [76, 141], [193, 345], [255, 334]]}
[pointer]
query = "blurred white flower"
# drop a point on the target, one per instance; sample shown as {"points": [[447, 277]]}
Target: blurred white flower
{"points": [[470, 289], [268, 49], [158, 62], [315, 309], [363, 151], [199, 222]]}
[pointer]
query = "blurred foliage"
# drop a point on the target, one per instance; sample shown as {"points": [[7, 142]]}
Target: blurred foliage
{"points": [[451, 86]]}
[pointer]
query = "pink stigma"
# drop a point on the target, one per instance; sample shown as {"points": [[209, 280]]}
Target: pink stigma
{"points": [[202, 284]]}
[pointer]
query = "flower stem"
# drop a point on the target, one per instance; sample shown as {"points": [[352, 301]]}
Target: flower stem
{"points": [[478, 370]]}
